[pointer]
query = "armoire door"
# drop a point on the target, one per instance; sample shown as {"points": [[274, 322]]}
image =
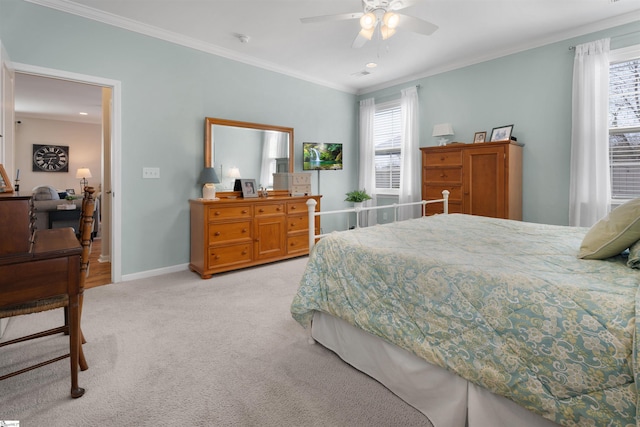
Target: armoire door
{"points": [[484, 181]]}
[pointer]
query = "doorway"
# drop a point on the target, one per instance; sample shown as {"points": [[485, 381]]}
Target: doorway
{"points": [[109, 107]]}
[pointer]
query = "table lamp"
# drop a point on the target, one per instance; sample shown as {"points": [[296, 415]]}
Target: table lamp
{"points": [[209, 179], [83, 173], [442, 130]]}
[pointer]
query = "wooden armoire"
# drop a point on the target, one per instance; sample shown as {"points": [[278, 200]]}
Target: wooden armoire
{"points": [[483, 179]]}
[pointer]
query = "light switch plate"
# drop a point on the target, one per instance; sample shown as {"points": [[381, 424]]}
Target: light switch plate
{"points": [[151, 173]]}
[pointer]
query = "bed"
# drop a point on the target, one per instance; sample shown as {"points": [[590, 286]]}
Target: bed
{"points": [[480, 321]]}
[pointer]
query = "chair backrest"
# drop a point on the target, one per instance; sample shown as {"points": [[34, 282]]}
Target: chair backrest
{"points": [[85, 229]]}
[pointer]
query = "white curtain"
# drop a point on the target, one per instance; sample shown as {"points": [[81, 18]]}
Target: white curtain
{"points": [[367, 163], [410, 188], [589, 188]]}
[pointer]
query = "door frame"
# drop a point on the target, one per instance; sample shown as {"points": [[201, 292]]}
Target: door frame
{"points": [[116, 150]]}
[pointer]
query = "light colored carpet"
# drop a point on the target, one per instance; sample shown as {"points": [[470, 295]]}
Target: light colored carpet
{"points": [[177, 350]]}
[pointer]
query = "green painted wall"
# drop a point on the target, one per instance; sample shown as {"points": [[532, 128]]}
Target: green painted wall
{"points": [[532, 91], [167, 91]]}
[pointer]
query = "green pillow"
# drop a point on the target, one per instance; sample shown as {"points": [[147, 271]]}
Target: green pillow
{"points": [[634, 255], [614, 233]]}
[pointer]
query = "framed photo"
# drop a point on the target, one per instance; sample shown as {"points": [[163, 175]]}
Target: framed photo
{"points": [[503, 133], [5, 184], [71, 192], [249, 188], [479, 137]]}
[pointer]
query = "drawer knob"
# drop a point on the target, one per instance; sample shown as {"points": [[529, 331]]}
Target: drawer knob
{"points": [[278, 209], [244, 230], [442, 158], [217, 233], [443, 175], [244, 252], [217, 213], [293, 208], [244, 211], [217, 257], [261, 210]]}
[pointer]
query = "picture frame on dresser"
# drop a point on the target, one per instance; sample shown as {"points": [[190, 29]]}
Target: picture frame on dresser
{"points": [[502, 133], [479, 137], [249, 188], [5, 183]]}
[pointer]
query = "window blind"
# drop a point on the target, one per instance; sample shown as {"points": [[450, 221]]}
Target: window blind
{"points": [[624, 129], [387, 134]]}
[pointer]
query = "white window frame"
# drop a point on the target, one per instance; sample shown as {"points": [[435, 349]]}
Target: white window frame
{"points": [[386, 106], [616, 56]]}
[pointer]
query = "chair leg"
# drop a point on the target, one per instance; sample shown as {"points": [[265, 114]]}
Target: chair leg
{"points": [[66, 319], [83, 362], [74, 344]]}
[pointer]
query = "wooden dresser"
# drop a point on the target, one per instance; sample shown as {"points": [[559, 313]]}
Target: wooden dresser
{"points": [[483, 179], [16, 223], [233, 233]]}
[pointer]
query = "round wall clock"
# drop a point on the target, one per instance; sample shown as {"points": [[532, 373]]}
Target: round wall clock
{"points": [[50, 158]]}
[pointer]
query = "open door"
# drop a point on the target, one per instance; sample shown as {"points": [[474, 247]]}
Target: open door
{"points": [[7, 129], [7, 121]]}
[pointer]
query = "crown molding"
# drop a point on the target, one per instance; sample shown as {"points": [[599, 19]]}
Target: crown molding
{"points": [[554, 38], [158, 33]]}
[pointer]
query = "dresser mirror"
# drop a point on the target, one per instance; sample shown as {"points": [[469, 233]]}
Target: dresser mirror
{"points": [[247, 150]]}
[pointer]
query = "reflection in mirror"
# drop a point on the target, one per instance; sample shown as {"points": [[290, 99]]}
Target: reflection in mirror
{"points": [[247, 150]]}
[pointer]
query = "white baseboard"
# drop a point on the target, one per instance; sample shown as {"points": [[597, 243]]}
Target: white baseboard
{"points": [[156, 272]]}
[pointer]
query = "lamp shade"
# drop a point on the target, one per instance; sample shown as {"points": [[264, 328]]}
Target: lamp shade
{"points": [[443, 129], [83, 173], [208, 176], [234, 173]]}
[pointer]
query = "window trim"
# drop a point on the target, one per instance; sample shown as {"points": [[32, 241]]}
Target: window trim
{"points": [[395, 103], [616, 56]]}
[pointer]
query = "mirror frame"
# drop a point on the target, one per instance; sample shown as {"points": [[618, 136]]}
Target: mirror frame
{"points": [[210, 121]]}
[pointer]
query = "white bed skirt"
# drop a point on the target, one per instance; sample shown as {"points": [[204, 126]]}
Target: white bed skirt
{"points": [[445, 398]]}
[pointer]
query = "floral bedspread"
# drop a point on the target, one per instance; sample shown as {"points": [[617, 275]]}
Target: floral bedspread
{"points": [[504, 304]]}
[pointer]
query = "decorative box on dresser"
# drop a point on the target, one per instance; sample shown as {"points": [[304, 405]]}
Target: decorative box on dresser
{"points": [[232, 233], [483, 179]]}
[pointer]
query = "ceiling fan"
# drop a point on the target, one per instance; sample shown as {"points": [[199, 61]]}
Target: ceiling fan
{"points": [[379, 19]]}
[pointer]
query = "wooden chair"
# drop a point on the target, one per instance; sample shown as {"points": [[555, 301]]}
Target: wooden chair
{"points": [[62, 301]]}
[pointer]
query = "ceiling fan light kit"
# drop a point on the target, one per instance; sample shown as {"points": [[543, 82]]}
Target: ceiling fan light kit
{"points": [[379, 17]]}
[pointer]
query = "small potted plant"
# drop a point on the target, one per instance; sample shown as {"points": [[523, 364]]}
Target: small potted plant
{"points": [[357, 196]]}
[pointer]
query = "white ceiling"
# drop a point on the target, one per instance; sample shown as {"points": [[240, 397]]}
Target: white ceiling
{"points": [[470, 31]]}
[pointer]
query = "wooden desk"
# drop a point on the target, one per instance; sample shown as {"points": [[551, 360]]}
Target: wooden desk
{"points": [[50, 268]]}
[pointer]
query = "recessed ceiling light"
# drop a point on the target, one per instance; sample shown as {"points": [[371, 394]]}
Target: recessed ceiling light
{"points": [[371, 65], [82, 113]]}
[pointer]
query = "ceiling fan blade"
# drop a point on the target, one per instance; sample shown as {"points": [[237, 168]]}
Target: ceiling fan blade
{"points": [[328, 18], [416, 25], [359, 41]]}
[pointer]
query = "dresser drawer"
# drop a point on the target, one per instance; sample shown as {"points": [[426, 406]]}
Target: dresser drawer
{"points": [[445, 158], [270, 209], [297, 223], [297, 207], [232, 254], [298, 244], [437, 175], [226, 212], [434, 192], [230, 231]]}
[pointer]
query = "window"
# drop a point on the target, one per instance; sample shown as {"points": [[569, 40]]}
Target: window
{"points": [[388, 149], [624, 124]]}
